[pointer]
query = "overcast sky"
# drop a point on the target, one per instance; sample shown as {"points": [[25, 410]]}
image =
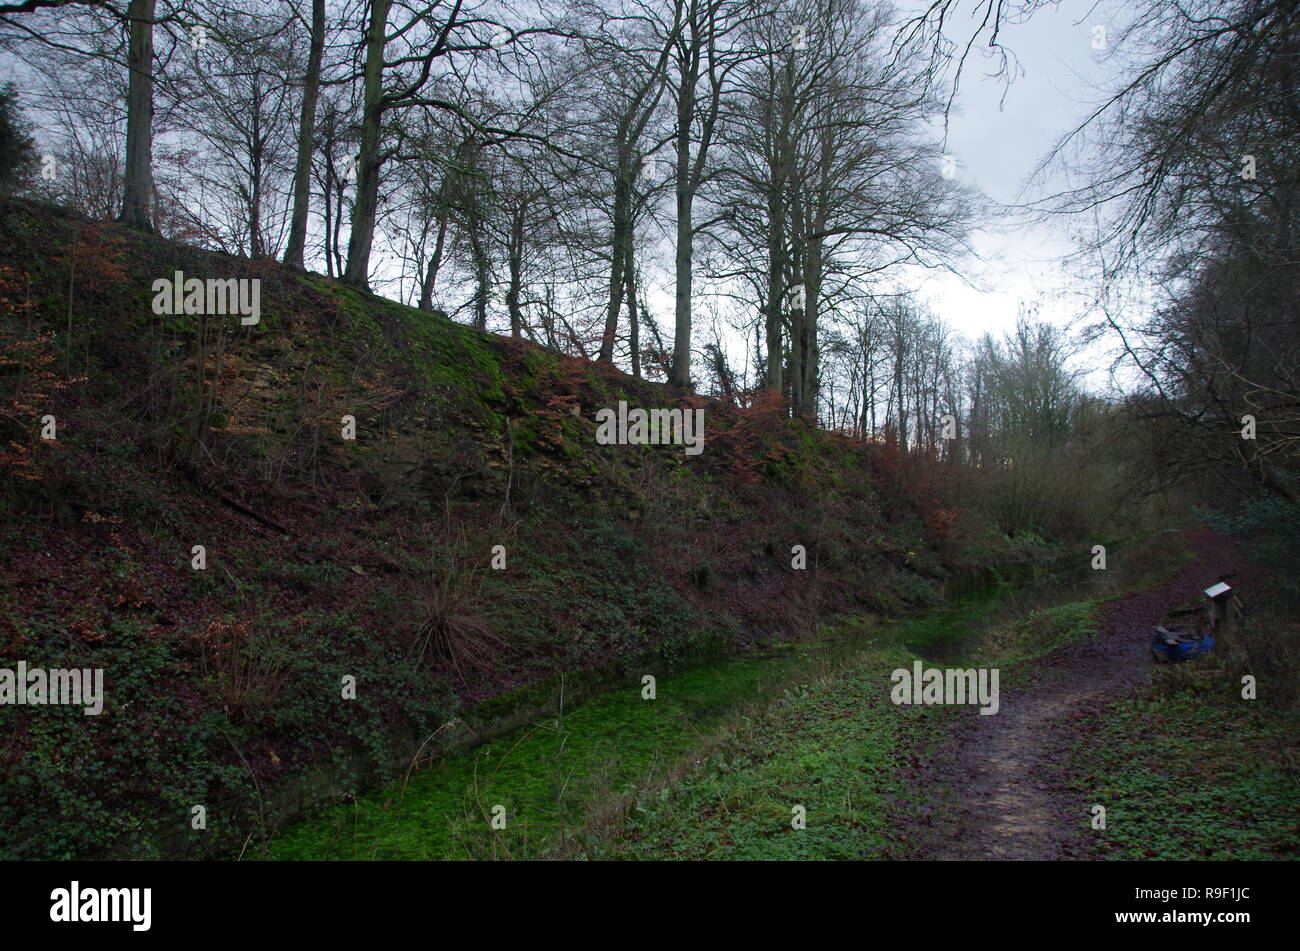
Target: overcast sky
{"points": [[998, 134]]}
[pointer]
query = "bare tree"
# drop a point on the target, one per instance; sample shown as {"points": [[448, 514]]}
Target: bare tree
{"points": [[294, 250]]}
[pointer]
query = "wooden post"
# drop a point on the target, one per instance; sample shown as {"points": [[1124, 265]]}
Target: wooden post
{"points": [[1225, 608]]}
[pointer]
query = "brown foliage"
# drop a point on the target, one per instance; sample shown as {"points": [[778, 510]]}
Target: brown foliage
{"points": [[247, 675], [28, 382], [452, 631]]}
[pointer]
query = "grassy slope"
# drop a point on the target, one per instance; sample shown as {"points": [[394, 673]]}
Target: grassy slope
{"points": [[370, 558]]}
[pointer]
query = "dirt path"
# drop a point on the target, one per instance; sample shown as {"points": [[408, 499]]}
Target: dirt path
{"points": [[1005, 794]]}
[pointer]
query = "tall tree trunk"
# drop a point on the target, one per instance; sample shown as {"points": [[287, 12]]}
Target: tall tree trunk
{"points": [[365, 207], [819, 209], [482, 267], [328, 192], [798, 314], [775, 288], [901, 409], [794, 356], [633, 320], [620, 258], [137, 198], [515, 252], [435, 262], [809, 386], [293, 254], [779, 164], [256, 242], [681, 373], [548, 319]]}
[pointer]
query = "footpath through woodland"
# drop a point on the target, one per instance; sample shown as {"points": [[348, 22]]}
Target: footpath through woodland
{"points": [[1001, 783]]}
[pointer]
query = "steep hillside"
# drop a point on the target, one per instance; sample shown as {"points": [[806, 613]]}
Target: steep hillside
{"points": [[374, 557]]}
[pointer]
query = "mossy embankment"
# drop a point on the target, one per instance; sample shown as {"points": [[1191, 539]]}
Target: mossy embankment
{"points": [[328, 558]]}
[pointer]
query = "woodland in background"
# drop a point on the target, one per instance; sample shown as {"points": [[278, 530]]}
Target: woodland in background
{"points": [[549, 176], [533, 170]]}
